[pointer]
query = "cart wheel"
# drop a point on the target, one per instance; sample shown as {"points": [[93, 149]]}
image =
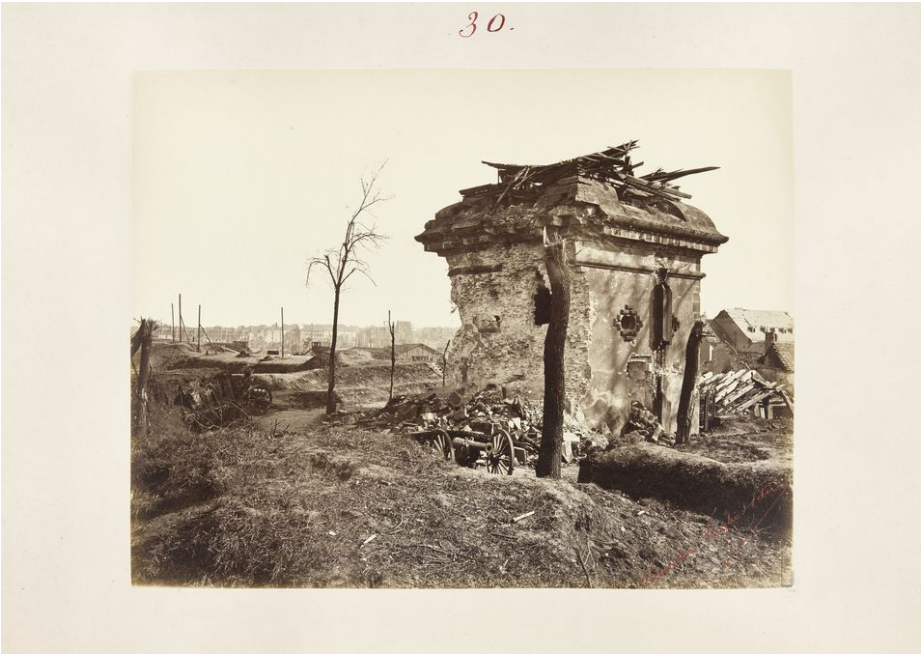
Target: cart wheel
{"points": [[259, 399], [441, 442], [500, 455]]}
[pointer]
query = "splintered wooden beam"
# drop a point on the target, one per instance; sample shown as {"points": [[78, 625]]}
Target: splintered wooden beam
{"points": [[663, 176], [623, 149], [654, 188], [480, 190], [503, 167], [612, 164], [739, 408]]}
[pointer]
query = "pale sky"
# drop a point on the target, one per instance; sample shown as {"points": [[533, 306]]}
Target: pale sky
{"points": [[238, 178]]}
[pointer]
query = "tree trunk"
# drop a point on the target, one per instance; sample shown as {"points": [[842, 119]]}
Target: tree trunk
{"points": [[690, 376], [391, 331], [549, 459], [144, 337], [331, 393]]}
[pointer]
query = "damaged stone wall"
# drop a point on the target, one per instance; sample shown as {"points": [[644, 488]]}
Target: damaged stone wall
{"points": [[495, 291], [624, 234], [624, 370]]}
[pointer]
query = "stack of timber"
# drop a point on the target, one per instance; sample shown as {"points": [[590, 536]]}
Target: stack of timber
{"points": [[740, 391]]}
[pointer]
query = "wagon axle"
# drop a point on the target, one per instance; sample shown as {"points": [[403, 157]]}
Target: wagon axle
{"points": [[493, 450]]}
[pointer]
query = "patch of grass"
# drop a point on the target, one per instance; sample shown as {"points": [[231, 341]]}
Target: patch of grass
{"points": [[343, 507]]}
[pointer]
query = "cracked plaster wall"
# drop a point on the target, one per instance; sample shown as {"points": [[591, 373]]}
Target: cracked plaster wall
{"points": [[604, 373]]}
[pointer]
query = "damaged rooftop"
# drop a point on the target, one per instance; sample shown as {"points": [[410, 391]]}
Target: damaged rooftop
{"points": [[526, 198]]}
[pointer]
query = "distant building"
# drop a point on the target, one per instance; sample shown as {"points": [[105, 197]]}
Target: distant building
{"points": [[373, 337], [778, 363], [403, 332], [293, 342], [745, 330], [763, 340], [416, 353]]}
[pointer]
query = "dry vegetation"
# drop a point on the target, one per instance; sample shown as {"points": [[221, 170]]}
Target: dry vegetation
{"points": [[342, 507]]}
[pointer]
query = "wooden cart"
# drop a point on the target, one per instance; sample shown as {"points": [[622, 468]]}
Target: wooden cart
{"points": [[491, 448]]}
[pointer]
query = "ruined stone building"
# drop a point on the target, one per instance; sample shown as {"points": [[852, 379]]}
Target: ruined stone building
{"points": [[634, 250]]}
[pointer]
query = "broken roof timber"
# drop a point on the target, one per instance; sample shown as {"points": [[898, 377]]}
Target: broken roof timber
{"points": [[661, 175], [612, 165]]}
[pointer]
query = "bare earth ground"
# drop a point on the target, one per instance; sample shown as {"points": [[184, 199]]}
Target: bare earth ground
{"points": [[343, 507], [745, 441]]}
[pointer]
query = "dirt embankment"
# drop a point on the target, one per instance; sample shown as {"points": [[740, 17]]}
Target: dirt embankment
{"points": [[298, 381], [758, 495], [349, 508], [741, 473], [359, 384]]}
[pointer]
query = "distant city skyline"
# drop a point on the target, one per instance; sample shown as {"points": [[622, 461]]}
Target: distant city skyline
{"points": [[298, 335]]}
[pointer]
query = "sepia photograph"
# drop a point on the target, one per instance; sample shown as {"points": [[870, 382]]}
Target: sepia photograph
{"points": [[382, 340], [460, 328]]}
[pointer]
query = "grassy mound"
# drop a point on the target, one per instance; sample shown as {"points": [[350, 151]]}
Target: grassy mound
{"points": [[756, 495], [341, 507]]}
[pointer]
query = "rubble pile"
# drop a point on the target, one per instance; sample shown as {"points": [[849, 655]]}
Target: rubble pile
{"points": [[459, 411], [739, 391], [643, 425]]}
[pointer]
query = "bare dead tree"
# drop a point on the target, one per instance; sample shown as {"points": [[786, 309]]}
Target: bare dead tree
{"points": [[342, 262], [391, 331], [549, 454], [141, 340], [690, 376]]}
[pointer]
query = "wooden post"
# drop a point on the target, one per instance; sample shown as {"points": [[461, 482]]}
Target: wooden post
{"points": [[141, 340], [549, 458], [283, 332], [198, 331], [444, 361], [172, 324], [690, 376], [182, 327], [391, 330]]}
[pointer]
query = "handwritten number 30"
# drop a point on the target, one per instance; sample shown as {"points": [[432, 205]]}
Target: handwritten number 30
{"points": [[492, 25]]}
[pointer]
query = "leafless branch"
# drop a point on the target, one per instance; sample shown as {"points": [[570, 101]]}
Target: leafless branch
{"points": [[344, 261]]}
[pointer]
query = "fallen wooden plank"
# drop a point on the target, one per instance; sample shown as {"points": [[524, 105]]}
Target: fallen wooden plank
{"points": [[788, 401], [652, 188], [729, 379], [735, 385], [750, 402], [740, 393]]}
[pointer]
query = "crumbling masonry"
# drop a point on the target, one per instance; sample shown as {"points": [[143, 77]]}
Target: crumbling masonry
{"points": [[634, 249]]}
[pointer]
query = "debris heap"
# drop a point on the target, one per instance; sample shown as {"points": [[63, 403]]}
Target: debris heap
{"points": [[739, 391], [522, 418], [612, 166], [643, 425]]}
